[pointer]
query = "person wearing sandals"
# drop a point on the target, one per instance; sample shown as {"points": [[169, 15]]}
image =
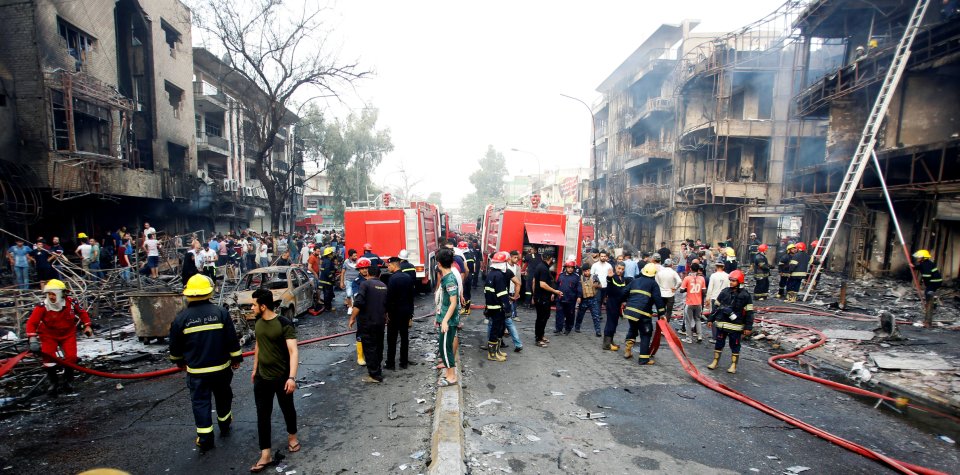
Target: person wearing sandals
{"points": [[274, 374], [448, 316]]}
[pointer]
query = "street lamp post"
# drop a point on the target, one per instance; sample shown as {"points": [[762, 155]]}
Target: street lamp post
{"points": [[539, 172], [593, 148]]}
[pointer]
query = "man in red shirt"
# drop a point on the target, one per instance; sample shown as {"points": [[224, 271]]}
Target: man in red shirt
{"points": [[54, 322], [693, 284]]}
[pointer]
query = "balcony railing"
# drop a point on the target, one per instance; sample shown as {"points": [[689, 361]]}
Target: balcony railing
{"points": [[652, 149], [203, 88], [213, 141], [655, 104], [642, 196]]}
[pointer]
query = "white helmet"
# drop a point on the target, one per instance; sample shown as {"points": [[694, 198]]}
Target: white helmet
{"points": [[403, 254]]}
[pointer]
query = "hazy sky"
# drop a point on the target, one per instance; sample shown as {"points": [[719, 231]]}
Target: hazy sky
{"points": [[453, 77]]}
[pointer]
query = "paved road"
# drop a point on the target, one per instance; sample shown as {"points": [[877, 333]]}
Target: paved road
{"points": [[147, 427], [658, 419]]}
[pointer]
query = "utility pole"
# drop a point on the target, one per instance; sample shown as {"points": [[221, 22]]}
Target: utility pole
{"points": [[593, 150]]}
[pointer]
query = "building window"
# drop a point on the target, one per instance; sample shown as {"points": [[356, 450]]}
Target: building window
{"points": [[3, 100], [78, 44], [171, 36], [175, 96], [197, 121]]}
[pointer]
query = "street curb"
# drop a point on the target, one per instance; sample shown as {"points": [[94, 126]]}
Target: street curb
{"points": [[447, 445], [824, 357]]}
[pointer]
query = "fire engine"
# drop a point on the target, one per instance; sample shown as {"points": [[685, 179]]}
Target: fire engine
{"points": [[390, 226], [514, 227], [468, 228]]}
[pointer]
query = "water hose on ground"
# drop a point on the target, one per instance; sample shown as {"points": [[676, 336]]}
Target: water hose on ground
{"points": [[674, 342]]}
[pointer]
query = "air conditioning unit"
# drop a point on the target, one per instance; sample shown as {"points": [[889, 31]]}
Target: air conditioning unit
{"points": [[298, 190], [226, 184], [261, 192], [234, 185], [202, 174], [247, 191]]}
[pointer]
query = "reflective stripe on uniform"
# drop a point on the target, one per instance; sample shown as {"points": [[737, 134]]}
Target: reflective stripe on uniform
{"points": [[798, 274], [208, 369], [325, 282], [489, 289], [734, 327], [493, 307], [501, 294], [224, 418], [793, 263], [615, 283], [236, 353], [641, 312], [202, 328], [205, 430], [175, 358], [748, 307], [638, 291]]}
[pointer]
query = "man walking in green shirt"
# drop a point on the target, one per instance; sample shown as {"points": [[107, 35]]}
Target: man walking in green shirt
{"points": [[274, 374], [448, 316]]}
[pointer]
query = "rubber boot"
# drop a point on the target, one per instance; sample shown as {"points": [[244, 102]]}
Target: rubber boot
{"points": [[493, 354], [360, 360], [613, 346], [54, 381], [733, 364], [628, 349], [791, 296], [645, 360], [225, 425], [205, 443], [500, 354], [716, 359], [606, 343], [466, 308], [66, 385]]}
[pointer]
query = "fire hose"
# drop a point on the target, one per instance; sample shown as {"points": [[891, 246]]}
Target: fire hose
{"points": [[10, 363], [674, 342]]}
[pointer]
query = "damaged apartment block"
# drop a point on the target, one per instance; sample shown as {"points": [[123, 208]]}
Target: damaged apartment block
{"points": [[720, 135]]}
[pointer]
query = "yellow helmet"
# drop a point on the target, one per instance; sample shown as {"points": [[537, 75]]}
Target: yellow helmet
{"points": [[649, 270], [327, 251], [54, 284], [730, 252], [199, 285], [82, 236], [922, 253], [791, 246]]}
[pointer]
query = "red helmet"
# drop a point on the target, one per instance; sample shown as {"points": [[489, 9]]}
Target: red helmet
{"points": [[762, 248], [737, 276], [801, 246], [499, 257], [363, 263], [813, 244], [570, 264], [462, 244], [368, 247]]}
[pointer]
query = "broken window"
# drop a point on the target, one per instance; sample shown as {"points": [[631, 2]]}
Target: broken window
{"points": [[171, 36], [175, 96], [78, 44], [176, 156], [3, 100]]}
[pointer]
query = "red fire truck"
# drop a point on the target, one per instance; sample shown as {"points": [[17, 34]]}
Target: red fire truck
{"points": [[515, 227], [391, 227], [468, 228]]}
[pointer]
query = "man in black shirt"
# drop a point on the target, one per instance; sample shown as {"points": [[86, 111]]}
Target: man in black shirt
{"points": [[400, 292], [664, 252], [544, 293], [530, 264], [370, 314]]}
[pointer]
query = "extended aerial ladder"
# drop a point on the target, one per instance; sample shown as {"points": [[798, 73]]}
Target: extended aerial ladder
{"points": [[865, 150]]}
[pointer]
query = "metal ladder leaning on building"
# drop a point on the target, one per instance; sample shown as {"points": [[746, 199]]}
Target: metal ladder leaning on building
{"points": [[865, 149]]}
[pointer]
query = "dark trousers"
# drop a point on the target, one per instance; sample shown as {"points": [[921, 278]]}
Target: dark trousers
{"points": [[593, 305], [793, 285], [372, 339], [668, 306], [264, 390], [762, 287], [565, 314], [613, 318], [467, 294], [784, 277], [644, 328], [398, 326], [543, 314], [201, 388], [498, 325], [327, 295], [723, 335]]}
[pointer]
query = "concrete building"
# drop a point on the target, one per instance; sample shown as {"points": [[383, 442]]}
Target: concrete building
{"points": [[917, 146], [561, 187], [96, 103], [319, 207]]}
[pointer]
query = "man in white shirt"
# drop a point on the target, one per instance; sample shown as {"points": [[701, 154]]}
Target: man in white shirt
{"points": [[263, 254], [85, 251], [602, 270], [148, 231], [209, 257], [669, 281], [152, 247], [719, 280]]}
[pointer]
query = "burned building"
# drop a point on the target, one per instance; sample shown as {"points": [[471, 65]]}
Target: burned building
{"points": [[917, 146], [94, 93]]}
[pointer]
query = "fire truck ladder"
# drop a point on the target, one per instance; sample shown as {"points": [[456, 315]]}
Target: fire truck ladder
{"points": [[868, 141]]}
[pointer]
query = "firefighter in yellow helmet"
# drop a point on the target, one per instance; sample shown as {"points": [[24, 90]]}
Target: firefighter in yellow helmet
{"points": [[643, 299], [203, 341], [53, 325], [327, 271], [932, 280]]}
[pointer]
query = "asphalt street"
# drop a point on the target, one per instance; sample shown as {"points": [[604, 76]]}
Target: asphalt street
{"points": [[146, 427], [522, 414]]}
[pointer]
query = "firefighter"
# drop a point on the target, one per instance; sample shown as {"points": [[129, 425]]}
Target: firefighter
{"points": [[405, 265], [730, 260], [363, 268], [368, 253], [204, 342], [797, 268], [932, 280], [52, 325], [752, 249], [733, 315], [642, 295], [761, 268], [469, 266], [327, 270], [370, 315], [782, 265], [569, 284], [616, 291], [496, 294]]}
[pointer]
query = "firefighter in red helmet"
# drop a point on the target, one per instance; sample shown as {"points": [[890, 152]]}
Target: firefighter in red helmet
{"points": [[733, 316]]}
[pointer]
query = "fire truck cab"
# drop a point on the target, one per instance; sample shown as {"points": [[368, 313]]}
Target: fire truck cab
{"points": [[390, 226], [516, 227]]}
